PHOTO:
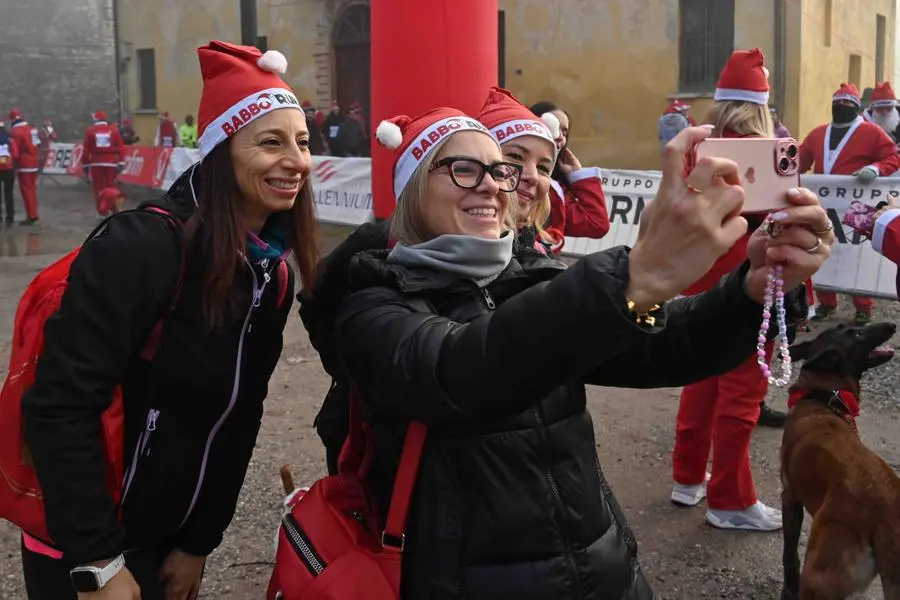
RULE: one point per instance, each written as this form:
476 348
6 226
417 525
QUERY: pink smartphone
768 168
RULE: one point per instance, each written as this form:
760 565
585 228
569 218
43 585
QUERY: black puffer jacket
509 504
196 410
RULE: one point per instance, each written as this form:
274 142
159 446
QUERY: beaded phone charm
774 298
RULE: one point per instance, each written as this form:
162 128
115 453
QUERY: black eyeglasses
468 173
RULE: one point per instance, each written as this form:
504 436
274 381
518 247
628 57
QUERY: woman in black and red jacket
192 414
577 203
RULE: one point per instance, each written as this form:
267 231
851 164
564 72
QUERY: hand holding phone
768 168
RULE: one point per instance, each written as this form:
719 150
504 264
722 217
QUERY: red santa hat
744 78
15 114
847 91
414 139
883 96
98 115
507 118
306 105
240 84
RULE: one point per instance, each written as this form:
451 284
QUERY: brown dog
851 493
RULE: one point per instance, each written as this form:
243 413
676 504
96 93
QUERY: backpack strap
394 537
152 344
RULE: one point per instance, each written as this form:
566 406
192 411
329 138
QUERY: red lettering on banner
227 128
519 128
510 131
417 154
236 122
501 135
434 136
454 125
254 109
145 166
245 115
443 130
425 146
74 166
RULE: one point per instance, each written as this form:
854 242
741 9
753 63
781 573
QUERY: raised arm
428 368
705 335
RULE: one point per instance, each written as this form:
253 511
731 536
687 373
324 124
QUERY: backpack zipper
308 556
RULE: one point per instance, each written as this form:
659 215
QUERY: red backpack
331 544
21 498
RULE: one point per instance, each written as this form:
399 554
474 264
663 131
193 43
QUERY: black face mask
841 113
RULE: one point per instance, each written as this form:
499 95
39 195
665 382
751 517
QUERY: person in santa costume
886 235
102 157
719 414
577 202
27 141
882 110
218 266
166 132
672 121
528 141
848 146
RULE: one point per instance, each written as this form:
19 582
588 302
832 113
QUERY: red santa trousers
28 189
102 178
861 303
720 413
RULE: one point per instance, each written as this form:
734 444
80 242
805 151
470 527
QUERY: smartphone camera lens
784 164
792 151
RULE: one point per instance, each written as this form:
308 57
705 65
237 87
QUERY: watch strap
111 570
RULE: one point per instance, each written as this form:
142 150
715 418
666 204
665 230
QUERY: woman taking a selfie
577 203
720 413
193 414
508 502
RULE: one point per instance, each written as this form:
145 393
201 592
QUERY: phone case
768 167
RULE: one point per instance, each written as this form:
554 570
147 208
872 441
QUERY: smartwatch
88 578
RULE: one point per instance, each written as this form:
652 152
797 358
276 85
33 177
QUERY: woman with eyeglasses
509 502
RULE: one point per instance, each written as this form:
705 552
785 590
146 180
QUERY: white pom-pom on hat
389 135
272 61
552 123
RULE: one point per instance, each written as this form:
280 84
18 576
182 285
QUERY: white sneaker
689 495
758 517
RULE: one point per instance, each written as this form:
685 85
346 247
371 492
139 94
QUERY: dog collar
843 403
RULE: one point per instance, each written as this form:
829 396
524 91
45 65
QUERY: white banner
342 186
60 158
853 267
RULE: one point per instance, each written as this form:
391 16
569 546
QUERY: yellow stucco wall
612 64
175 29
853 25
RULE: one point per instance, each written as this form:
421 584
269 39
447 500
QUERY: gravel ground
682 556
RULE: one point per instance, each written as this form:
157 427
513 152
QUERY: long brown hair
215 231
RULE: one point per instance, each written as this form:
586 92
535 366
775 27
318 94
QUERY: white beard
889 122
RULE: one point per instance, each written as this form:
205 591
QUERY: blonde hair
538 217
408 223
743 118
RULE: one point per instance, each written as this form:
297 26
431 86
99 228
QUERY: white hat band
243 112
424 145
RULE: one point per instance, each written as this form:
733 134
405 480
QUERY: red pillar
425 54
